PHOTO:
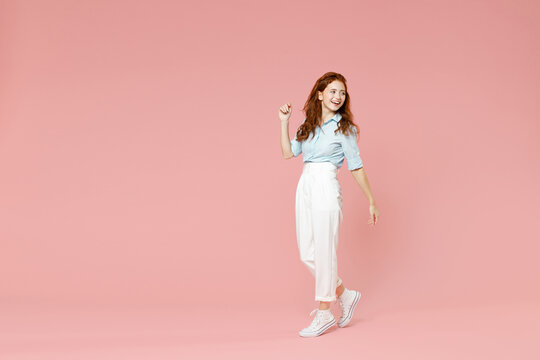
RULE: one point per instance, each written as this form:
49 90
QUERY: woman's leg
325 236
340 290
323 305
318 218
326 215
304 224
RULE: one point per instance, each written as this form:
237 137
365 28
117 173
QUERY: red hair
313 111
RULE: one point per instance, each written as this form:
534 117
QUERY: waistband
325 166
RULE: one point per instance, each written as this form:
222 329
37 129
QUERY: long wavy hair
313 110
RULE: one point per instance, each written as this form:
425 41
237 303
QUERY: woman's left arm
361 178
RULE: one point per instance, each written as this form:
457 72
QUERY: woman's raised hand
285 112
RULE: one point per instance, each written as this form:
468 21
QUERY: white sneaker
347 302
323 321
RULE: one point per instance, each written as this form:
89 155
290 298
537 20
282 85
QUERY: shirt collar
335 118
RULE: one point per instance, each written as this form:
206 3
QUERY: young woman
326 137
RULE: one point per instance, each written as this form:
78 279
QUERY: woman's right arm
284 115
285 141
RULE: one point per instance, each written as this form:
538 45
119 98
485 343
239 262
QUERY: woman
326 137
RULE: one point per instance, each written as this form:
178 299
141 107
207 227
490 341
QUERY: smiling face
333 97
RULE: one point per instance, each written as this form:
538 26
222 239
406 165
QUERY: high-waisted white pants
318 217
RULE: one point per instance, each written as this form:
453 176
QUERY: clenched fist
285 112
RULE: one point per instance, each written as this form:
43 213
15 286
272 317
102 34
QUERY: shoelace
345 308
341 303
316 320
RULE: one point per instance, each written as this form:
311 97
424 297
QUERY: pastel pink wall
140 156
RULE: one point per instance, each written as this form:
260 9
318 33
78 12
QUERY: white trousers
318 217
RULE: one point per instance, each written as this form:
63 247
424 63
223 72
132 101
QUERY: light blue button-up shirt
324 145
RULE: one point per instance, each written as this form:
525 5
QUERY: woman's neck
326 115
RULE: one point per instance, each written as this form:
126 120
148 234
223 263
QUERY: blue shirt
324 145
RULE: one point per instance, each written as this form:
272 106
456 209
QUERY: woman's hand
374 214
285 112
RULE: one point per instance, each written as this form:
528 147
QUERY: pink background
141 163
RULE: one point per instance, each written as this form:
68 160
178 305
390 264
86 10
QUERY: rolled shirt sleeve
296 147
351 151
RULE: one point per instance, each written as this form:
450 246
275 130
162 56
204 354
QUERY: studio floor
506 331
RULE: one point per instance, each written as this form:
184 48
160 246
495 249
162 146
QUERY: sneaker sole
322 330
353 306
